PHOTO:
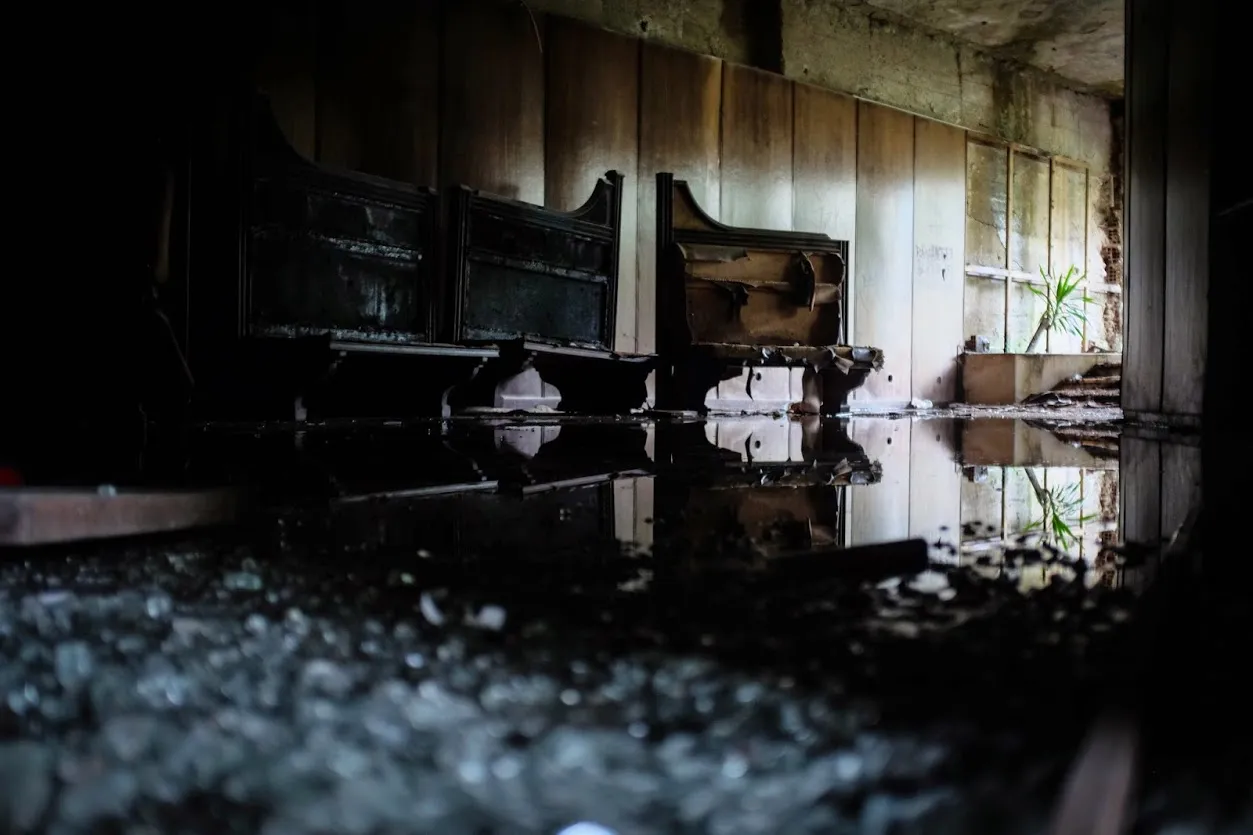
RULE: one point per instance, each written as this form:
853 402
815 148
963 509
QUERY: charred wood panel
1145 214
336 254
592 98
1187 273
492 120
756 148
286 71
520 271
680 103
882 289
378 89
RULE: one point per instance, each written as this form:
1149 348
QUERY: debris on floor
1100 387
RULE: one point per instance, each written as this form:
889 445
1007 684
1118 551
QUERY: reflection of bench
729 299
543 286
708 496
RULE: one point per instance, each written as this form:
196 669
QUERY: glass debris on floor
586 627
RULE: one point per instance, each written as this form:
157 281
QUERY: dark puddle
655 626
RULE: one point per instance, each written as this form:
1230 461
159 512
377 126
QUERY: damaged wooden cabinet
354 295
731 298
543 286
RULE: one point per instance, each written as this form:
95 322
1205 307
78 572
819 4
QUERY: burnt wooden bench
730 298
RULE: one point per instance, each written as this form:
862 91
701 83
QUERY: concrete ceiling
1079 40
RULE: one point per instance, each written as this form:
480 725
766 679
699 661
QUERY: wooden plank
883 283
592 96
492 121
756 148
1144 255
286 72
1140 490
1181 484
378 90
680 103
1186 305
880 512
935 479
939 258
37 516
824 167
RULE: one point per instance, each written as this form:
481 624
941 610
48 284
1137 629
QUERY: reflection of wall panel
492 126
1140 468
1181 484
1022 505
981 502
935 489
592 127
880 512
680 102
756 148
883 284
939 258
824 167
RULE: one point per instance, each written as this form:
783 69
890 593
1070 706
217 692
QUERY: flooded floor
643 626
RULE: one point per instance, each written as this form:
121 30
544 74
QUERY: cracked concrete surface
1079 40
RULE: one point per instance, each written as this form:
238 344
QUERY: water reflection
760 487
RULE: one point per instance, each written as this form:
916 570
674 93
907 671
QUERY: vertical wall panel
1187 212
824 166
492 125
286 72
680 101
592 127
1144 254
378 96
756 148
883 285
939 258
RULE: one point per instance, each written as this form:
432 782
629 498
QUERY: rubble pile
1100 387
219 687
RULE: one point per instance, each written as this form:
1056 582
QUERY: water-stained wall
537 107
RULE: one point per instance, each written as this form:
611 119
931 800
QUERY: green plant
1065 304
1061 508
